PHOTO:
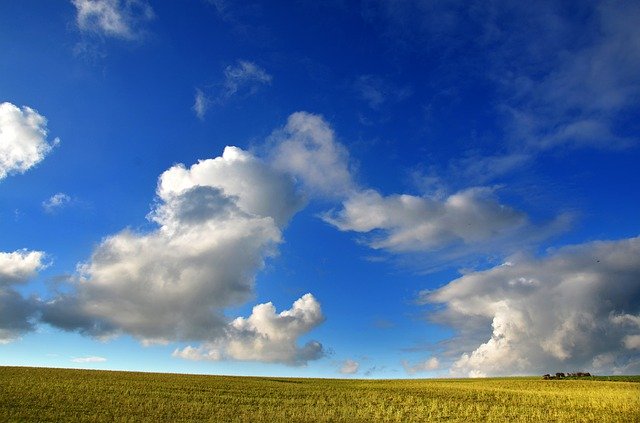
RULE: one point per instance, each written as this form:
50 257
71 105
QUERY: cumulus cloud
349 367
308 149
427 365
265 336
56 202
16 315
16 312
91 359
411 223
218 221
576 309
113 18
23 139
19 266
463 222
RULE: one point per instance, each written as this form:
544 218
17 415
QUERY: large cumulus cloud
576 309
17 312
217 223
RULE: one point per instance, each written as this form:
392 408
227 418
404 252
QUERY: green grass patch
43 395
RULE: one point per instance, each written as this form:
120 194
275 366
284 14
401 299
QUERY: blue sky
347 189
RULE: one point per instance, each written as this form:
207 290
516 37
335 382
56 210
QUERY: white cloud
91 359
16 312
349 367
56 202
245 77
219 220
307 148
265 336
253 185
570 310
201 104
462 223
427 365
242 79
19 266
411 223
23 139
114 18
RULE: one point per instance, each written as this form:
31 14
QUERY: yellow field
36 394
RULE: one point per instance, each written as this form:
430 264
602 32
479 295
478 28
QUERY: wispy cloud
243 79
56 202
576 97
122 19
376 91
427 365
349 367
201 104
90 359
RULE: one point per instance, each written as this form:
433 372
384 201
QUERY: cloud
113 18
91 359
349 367
577 96
467 221
307 148
405 223
16 315
265 336
576 309
427 365
20 266
57 201
244 78
23 139
201 104
375 91
218 221
564 80
16 312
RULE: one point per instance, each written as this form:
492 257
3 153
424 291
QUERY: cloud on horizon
349 367
575 309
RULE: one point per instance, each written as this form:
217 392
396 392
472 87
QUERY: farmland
39 394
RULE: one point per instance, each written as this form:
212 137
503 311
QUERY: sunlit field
38 394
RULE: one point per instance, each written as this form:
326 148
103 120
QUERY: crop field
38 394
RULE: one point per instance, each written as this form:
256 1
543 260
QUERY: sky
357 189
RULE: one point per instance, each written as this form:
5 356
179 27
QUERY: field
37 394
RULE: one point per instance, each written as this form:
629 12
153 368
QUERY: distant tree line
561 375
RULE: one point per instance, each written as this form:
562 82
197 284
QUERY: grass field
37 394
